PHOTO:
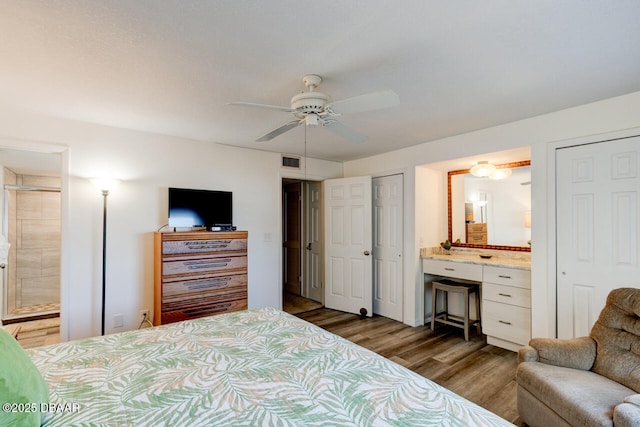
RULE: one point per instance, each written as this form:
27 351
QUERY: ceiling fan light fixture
316 108
311 120
482 169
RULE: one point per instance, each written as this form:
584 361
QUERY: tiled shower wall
34 233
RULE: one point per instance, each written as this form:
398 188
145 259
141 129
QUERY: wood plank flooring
482 373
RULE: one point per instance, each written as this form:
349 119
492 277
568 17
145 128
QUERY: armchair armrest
577 353
627 414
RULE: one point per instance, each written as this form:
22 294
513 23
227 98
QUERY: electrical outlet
118 321
144 315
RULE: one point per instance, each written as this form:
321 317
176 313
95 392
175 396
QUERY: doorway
302 246
32 226
364 245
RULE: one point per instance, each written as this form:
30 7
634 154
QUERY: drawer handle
504 295
504 322
504 277
450 269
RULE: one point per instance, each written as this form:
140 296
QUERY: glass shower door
32 274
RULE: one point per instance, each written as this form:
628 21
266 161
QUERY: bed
259 367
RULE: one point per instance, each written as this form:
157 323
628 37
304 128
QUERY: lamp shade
482 169
105 184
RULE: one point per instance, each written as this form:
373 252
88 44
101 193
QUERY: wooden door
292 241
348 261
387 246
598 219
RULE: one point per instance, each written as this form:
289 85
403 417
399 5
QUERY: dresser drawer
506 294
508 276
204 310
191 302
507 322
456 270
202 246
204 264
200 285
478 227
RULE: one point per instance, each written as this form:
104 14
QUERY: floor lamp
104 185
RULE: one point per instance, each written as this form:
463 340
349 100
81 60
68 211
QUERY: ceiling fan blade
279 131
344 131
270 107
366 102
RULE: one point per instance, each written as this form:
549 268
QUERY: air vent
290 162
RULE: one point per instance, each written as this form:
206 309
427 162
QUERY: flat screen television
200 208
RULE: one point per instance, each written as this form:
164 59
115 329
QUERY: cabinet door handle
450 269
504 277
504 322
504 295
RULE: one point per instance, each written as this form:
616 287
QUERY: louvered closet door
598 222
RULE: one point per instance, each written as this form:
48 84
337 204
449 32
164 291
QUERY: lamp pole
105 193
104 185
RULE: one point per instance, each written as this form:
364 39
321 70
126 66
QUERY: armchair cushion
617 333
577 353
627 413
581 397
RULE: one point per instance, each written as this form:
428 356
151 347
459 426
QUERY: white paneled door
387 246
313 241
348 238
598 222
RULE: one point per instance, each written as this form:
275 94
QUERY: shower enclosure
31 224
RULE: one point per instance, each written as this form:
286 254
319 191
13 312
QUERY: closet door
388 214
598 222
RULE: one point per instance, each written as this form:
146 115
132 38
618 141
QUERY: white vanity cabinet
505 291
506 306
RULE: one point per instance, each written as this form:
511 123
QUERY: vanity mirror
491 213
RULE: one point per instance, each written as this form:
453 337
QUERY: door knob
366 253
309 246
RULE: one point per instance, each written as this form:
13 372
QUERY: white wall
148 164
542 134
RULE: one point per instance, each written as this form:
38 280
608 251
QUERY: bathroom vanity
505 285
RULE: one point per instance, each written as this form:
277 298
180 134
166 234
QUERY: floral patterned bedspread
258 367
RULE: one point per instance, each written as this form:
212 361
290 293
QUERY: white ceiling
170 66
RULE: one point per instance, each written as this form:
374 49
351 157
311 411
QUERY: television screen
200 208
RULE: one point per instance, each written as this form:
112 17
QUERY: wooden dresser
199 273
477 233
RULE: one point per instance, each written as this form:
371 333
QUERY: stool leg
445 302
466 315
434 294
479 324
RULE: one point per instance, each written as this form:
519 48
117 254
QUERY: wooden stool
464 288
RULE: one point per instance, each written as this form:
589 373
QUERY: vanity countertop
474 258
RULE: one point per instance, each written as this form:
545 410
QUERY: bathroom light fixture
500 173
104 185
482 169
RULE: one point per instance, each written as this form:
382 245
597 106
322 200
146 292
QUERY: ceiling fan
315 108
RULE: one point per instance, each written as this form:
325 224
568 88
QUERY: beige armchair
587 381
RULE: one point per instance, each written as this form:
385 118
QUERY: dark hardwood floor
482 373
